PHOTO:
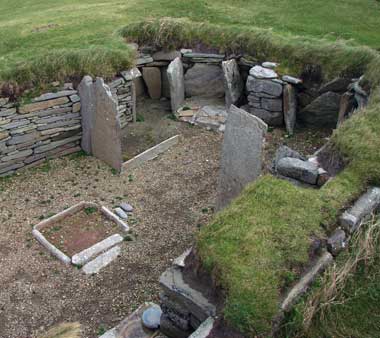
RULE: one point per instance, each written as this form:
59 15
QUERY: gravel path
172 195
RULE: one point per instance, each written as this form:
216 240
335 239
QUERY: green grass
41 40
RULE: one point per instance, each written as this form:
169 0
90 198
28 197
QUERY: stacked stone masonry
48 127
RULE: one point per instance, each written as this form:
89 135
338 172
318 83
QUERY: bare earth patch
171 196
79 231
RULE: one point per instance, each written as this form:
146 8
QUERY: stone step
101 261
132 326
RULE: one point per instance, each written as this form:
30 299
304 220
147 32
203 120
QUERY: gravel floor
172 195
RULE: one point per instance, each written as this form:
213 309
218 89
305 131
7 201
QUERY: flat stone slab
361 210
132 326
180 260
204 329
121 213
302 286
303 171
101 261
151 153
263 73
86 255
176 288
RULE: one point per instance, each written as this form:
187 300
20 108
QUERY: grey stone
143 59
282 152
131 74
291 79
16 155
59 124
233 82
270 65
192 55
165 83
363 208
86 255
52 145
210 117
88 105
101 261
263 73
322 112
204 80
270 118
152 78
51 96
272 105
264 86
7 112
74 98
180 260
11 167
175 287
204 329
346 107
241 154
126 207
169 329
151 317
16 124
176 83
302 286
120 212
38 106
24 138
106 130
303 171
166 56
290 108
46 120
336 242
338 85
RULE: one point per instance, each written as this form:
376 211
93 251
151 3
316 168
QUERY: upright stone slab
241 154
152 78
88 105
176 82
233 82
290 107
106 131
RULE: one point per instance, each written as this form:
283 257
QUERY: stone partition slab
150 154
241 161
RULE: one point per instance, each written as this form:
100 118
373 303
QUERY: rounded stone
151 317
126 207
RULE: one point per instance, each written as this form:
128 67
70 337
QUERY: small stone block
121 213
126 207
101 261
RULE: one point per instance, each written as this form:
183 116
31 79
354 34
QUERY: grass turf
82 35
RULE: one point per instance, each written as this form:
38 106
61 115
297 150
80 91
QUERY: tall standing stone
152 78
241 154
176 82
290 107
106 131
233 82
88 105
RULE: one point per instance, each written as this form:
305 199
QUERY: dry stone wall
49 126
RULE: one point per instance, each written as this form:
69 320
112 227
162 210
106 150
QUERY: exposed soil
79 231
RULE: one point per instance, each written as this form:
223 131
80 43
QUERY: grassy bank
83 34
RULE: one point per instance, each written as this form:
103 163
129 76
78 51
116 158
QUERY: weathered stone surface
143 59
302 286
263 73
152 78
58 124
210 117
241 154
176 83
126 207
106 130
346 107
52 145
204 57
363 208
4 169
7 112
86 255
165 82
270 118
101 261
303 171
29 108
204 80
24 138
338 85
322 112
51 96
290 108
272 105
204 329
74 98
16 155
282 152
47 120
169 329
336 242
233 82
180 260
131 74
3 135
121 213
16 124
291 79
269 64
176 288
264 86
151 317
166 55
